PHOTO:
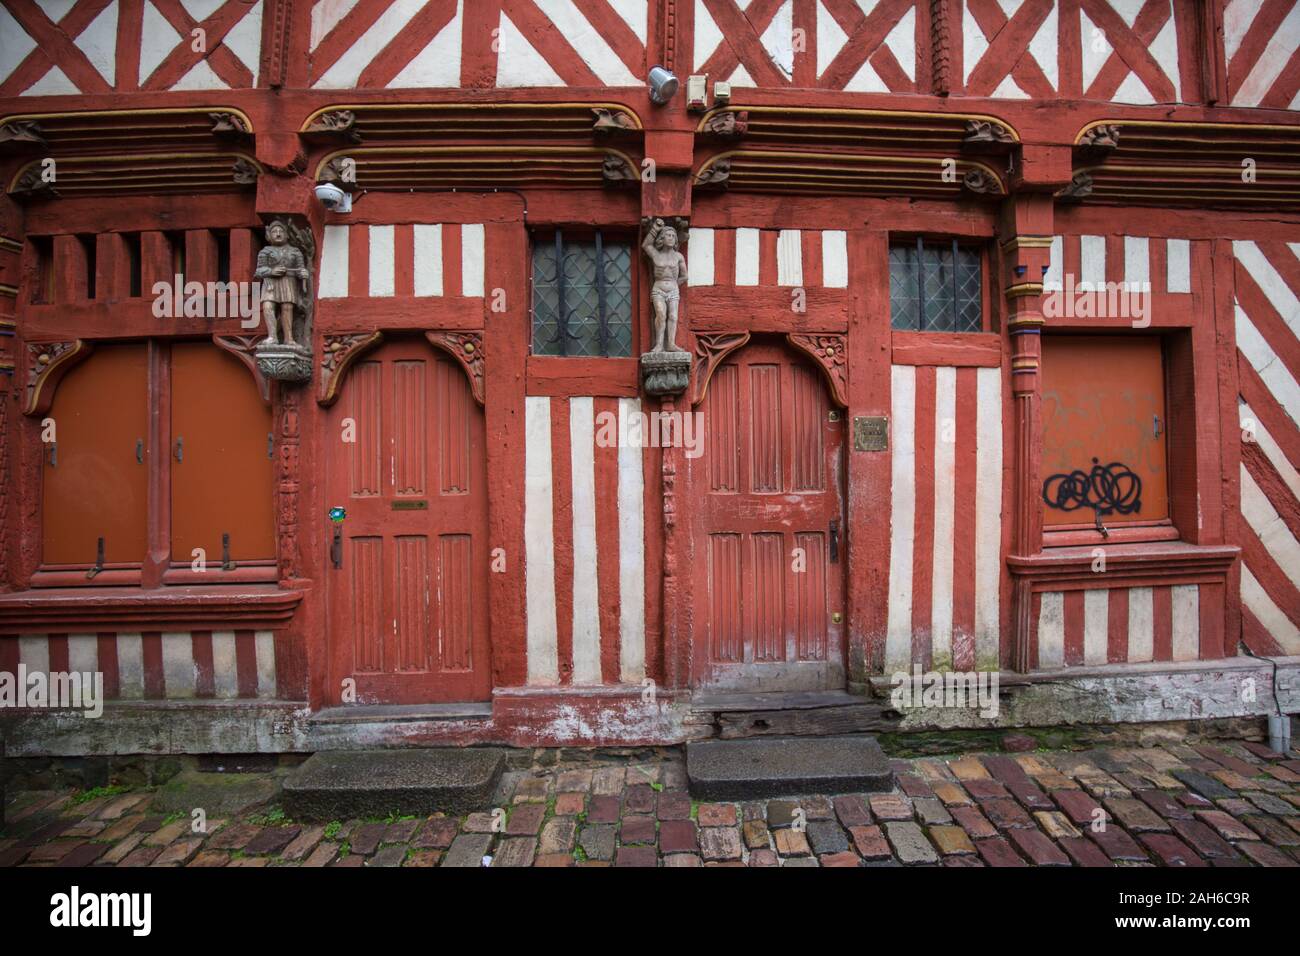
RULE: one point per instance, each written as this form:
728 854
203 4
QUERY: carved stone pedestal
285 363
665 373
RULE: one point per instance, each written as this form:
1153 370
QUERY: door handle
139 451
336 548
54 454
180 448
835 540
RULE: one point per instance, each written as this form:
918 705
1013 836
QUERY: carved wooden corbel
1079 188
338 352
335 125
828 351
467 349
727 124
241 347
341 171
1104 138
617 170
615 122
710 349
715 173
48 362
21 133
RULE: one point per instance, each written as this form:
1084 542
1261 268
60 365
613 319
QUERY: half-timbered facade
989 315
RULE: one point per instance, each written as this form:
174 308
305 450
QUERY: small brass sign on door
410 504
870 433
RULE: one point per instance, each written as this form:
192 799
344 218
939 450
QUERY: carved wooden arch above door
48 362
828 350
340 351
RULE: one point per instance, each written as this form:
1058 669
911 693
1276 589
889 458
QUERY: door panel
96 478
771 490
408 607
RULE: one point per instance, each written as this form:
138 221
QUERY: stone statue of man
284 277
660 247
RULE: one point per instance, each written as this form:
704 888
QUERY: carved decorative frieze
983 133
47 364
338 352
34 184
467 349
727 124
977 180
710 349
617 170
288 483
610 121
229 126
717 173
21 133
828 351
242 347
1104 138
339 125
245 172
1080 187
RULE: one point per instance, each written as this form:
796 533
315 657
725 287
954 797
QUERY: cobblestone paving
1227 804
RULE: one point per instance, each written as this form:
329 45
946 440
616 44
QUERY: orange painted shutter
96 487
224 482
1104 399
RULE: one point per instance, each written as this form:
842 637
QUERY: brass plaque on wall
409 504
870 433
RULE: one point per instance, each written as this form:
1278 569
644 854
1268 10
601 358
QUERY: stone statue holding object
669 265
286 283
666 368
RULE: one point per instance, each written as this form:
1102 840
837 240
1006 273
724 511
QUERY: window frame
601 236
1141 530
157 566
975 244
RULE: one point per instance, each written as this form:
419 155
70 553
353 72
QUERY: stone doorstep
338 785
750 768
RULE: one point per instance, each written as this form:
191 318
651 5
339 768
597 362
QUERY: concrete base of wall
1243 687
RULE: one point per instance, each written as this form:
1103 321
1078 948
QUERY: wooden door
408 570
770 549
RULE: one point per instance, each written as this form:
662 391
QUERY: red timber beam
1025 238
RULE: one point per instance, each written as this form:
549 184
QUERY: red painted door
769 555
408 612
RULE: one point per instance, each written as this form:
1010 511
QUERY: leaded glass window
582 297
934 287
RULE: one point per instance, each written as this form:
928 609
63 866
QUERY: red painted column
1026 233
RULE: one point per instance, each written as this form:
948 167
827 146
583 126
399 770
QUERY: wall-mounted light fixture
663 85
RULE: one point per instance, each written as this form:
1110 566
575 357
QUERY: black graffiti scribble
1106 489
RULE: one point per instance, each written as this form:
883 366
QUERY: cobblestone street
1227 804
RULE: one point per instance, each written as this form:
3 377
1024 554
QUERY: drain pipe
1279 724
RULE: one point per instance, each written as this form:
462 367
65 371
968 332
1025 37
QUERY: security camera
663 85
333 198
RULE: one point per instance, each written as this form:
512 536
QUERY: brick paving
1229 803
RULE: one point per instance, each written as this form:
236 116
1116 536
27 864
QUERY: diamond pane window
934 287
582 297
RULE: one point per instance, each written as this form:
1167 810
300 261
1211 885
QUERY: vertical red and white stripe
768 257
422 260
154 665
1119 625
1163 264
946 518
584 530
1268 372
